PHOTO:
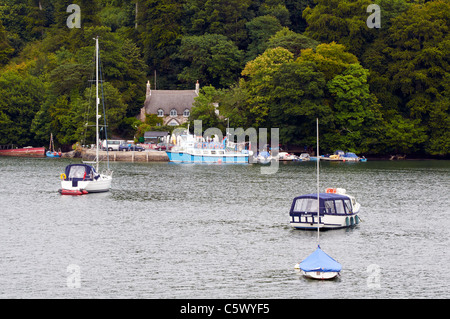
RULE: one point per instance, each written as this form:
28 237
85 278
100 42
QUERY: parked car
164 146
130 147
113 145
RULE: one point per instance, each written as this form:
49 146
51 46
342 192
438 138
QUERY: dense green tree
5 48
341 21
260 29
354 108
296 100
259 82
225 17
212 59
292 41
205 109
159 29
22 96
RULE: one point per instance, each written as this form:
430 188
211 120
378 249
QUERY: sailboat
80 179
51 149
319 265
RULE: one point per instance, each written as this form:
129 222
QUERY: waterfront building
173 106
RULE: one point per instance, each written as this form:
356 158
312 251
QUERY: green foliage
272 63
205 109
210 59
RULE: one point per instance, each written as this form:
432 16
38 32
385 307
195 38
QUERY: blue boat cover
353 155
319 261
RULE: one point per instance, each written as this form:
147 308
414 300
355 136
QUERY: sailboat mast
97 101
318 188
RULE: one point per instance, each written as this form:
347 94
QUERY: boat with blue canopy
336 210
319 265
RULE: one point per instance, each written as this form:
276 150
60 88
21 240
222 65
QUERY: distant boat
318 265
80 179
264 157
9 150
192 149
285 156
343 157
51 149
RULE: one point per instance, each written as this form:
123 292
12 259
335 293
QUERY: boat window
77 172
213 152
305 205
339 207
205 152
329 207
348 206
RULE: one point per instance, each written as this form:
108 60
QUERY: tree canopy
261 63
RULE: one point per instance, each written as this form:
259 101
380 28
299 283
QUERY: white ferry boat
192 149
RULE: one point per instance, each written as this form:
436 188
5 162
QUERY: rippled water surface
211 231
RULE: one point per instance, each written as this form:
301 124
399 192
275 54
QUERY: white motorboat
284 156
336 210
194 149
264 158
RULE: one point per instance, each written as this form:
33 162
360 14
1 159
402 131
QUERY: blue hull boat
53 154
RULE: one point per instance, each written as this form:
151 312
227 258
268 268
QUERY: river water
221 231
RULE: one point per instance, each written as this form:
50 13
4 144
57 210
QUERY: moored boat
263 158
319 265
284 156
192 149
51 149
81 179
22 152
336 210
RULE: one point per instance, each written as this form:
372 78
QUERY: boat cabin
80 172
330 204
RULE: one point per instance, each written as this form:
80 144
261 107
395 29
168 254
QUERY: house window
160 113
173 113
186 113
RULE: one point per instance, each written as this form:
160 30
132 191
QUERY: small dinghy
319 265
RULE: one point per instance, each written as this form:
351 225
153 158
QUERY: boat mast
97 102
318 202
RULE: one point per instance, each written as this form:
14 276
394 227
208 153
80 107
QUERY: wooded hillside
273 63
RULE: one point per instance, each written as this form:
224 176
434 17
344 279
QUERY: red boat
23 152
72 192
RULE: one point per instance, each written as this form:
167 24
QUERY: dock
115 156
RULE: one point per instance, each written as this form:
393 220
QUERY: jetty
115 156
131 156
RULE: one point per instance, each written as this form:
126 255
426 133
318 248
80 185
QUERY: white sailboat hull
320 275
102 184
